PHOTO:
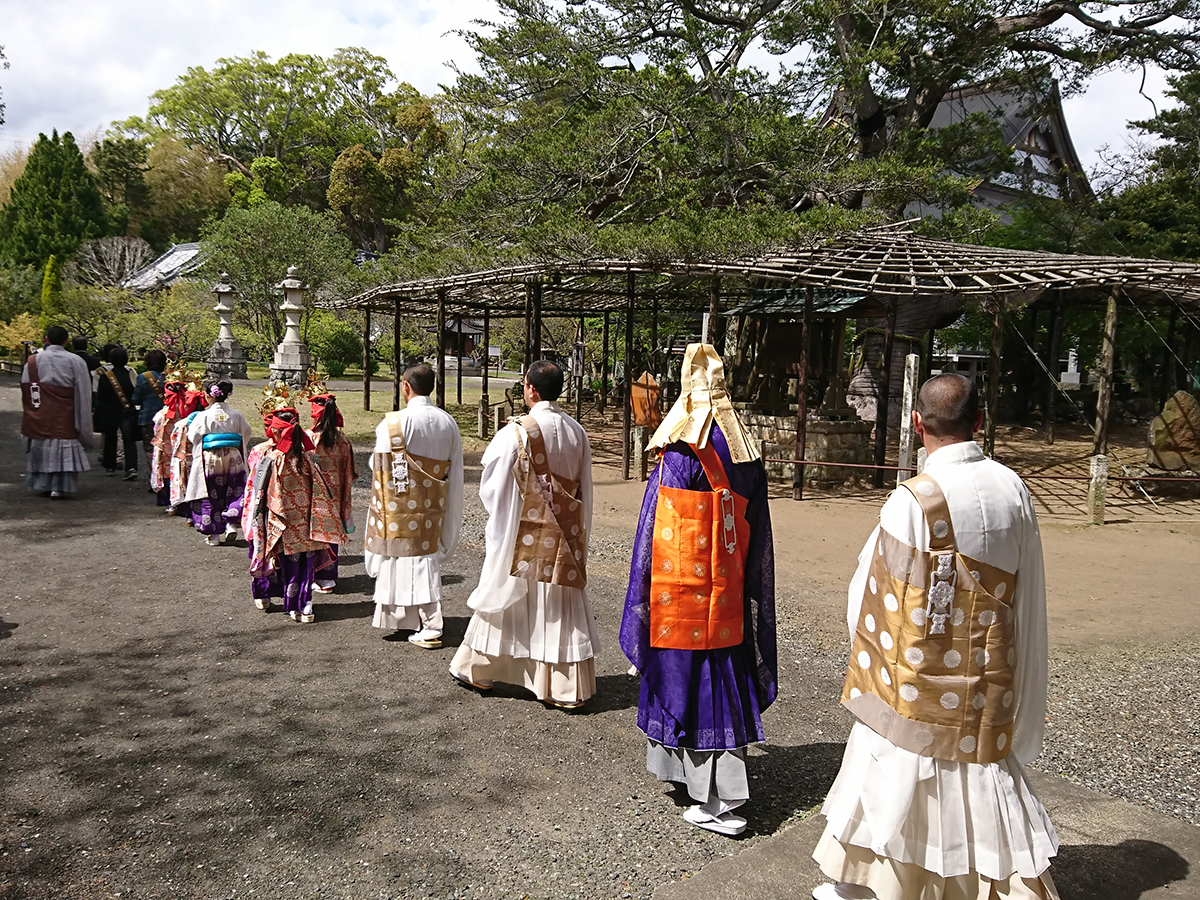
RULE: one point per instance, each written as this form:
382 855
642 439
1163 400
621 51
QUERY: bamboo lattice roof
881 266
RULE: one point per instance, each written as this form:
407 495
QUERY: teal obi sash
213 441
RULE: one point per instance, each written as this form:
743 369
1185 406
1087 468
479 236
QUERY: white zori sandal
727 823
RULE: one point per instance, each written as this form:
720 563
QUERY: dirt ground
161 738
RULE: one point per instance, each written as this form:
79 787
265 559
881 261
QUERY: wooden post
1108 358
458 398
836 357
441 349
579 376
884 399
927 363
993 379
604 368
396 360
801 396
653 335
484 400
528 325
716 322
1053 345
537 321
367 359
627 410
912 366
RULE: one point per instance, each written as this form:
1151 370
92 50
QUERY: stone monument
292 359
226 359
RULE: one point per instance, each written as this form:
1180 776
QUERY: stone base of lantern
292 362
226 360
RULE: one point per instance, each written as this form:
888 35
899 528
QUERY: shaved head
949 406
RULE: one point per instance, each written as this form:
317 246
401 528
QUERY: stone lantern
292 359
226 359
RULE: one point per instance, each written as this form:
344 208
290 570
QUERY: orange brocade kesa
698 572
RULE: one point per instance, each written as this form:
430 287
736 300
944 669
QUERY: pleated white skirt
948 818
551 624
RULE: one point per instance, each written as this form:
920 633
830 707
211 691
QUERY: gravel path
162 739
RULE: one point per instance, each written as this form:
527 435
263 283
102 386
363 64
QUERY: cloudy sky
77 65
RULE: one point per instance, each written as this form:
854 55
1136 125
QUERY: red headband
183 402
284 432
318 408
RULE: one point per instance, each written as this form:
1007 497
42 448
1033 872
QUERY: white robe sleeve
452 523
501 498
858 584
1030 675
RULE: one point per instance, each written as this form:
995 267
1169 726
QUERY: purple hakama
225 479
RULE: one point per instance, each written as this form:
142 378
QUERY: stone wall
836 440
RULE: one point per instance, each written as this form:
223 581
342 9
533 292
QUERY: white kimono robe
545 631
408 589
219 418
948 818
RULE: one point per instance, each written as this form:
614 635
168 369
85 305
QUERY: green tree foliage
120 167
257 245
338 344
265 182
186 189
1159 214
301 110
54 205
51 291
20 291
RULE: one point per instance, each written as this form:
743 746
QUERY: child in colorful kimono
336 458
263 587
220 437
294 518
178 404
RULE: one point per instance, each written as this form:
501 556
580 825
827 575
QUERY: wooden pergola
883 267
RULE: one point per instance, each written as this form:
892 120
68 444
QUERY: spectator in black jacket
115 412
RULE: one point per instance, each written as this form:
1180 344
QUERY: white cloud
78 65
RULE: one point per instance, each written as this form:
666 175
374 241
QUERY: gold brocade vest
408 499
931 667
551 544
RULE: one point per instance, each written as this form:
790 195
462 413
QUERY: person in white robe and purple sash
416 511
947 679
56 421
533 624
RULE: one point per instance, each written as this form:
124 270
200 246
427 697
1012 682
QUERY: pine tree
53 207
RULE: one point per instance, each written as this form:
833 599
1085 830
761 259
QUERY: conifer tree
51 290
53 207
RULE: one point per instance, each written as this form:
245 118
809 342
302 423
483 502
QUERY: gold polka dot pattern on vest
406 514
934 674
551 543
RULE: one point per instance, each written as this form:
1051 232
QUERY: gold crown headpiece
277 395
315 385
180 372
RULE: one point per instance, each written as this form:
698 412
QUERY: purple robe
705 699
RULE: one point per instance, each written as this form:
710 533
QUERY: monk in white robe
408 569
905 823
528 629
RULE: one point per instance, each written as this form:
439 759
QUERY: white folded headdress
702 400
